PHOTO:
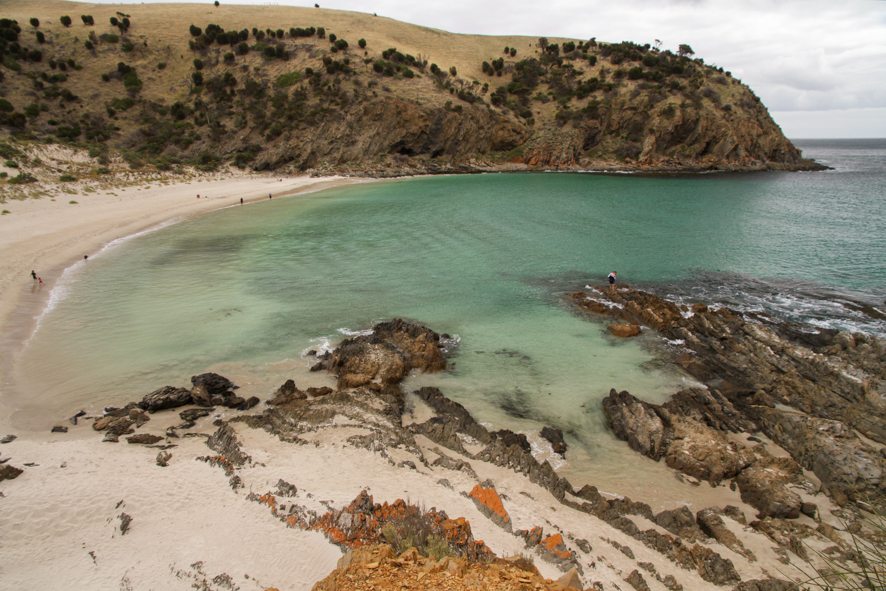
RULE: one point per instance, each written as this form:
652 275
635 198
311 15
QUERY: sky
820 67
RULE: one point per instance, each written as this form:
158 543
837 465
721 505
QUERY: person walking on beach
241 200
612 278
33 274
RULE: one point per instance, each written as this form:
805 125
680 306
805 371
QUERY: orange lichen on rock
554 546
489 503
377 568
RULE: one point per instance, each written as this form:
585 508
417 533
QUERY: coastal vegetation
308 98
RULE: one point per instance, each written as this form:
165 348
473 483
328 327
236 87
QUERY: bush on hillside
87 20
65 20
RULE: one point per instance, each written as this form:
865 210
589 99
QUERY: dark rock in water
8 472
79 414
385 357
59 429
8 439
144 438
624 329
555 437
319 366
165 397
636 422
214 383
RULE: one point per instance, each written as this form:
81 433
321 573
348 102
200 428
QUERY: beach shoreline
53 236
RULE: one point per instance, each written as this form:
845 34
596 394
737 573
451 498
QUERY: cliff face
354 93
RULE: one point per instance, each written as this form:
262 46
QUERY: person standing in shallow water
612 278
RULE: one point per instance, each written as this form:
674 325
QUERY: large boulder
764 486
489 503
636 422
213 383
699 451
387 355
165 397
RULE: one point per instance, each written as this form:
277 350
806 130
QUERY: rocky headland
349 93
790 419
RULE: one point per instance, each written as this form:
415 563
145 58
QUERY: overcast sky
819 66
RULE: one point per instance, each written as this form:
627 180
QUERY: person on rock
612 278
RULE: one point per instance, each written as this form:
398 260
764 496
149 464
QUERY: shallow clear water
484 257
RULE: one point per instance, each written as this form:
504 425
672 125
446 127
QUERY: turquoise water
486 258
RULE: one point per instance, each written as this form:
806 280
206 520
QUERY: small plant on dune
6 212
35 22
65 20
67 178
867 569
72 202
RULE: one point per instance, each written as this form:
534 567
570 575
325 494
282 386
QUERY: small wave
349 332
321 345
811 307
62 286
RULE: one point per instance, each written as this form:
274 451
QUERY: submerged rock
623 329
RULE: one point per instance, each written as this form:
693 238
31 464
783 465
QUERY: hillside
316 90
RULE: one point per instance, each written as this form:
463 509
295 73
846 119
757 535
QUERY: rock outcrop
385 356
809 395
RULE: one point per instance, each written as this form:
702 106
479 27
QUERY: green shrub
22 178
10 164
131 82
362 43
127 46
35 22
198 64
197 78
87 20
41 38
6 106
67 178
65 20
288 79
109 38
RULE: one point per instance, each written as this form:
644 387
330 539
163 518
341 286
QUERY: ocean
248 291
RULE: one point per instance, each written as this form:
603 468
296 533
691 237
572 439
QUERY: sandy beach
49 235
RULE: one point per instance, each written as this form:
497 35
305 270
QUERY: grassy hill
305 89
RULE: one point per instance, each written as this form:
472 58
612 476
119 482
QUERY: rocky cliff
292 89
